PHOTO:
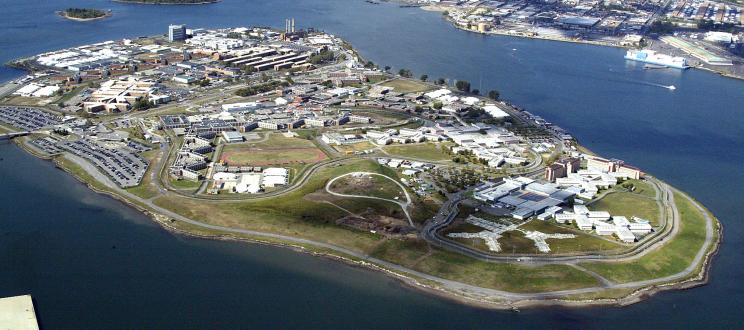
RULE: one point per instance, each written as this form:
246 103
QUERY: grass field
629 204
276 151
146 189
503 276
185 184
407 86
424 151
291 214
670 259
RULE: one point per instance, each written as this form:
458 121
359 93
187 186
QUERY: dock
18 313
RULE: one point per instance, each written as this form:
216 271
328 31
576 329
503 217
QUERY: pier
18 313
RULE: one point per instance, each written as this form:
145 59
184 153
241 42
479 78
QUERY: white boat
652 57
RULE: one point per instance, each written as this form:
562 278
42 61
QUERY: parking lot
126 168
27 118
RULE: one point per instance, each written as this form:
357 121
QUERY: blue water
57 236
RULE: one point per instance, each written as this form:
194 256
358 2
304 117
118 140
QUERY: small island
169 2
84 14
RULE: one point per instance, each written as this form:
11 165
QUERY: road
454 286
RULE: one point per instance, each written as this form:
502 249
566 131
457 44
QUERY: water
57 237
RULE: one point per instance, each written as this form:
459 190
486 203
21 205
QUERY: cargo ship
652 57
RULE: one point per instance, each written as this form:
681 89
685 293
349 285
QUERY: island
169 2
290 137
84 14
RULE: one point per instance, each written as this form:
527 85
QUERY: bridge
8 136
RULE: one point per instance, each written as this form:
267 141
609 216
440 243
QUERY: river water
91 262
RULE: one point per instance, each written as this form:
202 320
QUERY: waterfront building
176 32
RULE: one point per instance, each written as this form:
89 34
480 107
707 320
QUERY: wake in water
641 82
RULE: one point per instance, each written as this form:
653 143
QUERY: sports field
407 86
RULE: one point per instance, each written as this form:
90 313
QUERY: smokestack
286 25
293 26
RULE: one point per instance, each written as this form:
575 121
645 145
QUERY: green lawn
629 204
670 259
504 276
185 184
424 151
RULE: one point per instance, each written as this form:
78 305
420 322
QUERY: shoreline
64 15
205 2
441 9
698 278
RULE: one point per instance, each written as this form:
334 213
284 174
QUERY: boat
652 57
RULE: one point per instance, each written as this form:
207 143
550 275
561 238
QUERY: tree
494 95
142 104
370 65
387 68
440 81
476 92
324 56
235 35
437 105
463 86
424 77
405 73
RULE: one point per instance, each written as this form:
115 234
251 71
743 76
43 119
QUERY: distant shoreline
204 2
63 14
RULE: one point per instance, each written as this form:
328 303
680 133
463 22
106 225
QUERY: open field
670 259
184 184
407 86
416 254
276 151
368 185
629 204
503 276
291 214
424 151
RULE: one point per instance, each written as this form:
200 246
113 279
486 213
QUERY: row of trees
322 57
461 85
261 88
